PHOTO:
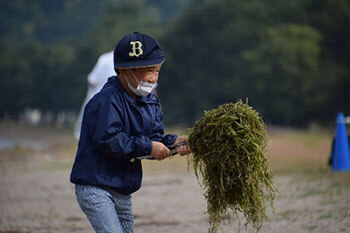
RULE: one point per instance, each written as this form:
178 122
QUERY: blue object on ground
341 156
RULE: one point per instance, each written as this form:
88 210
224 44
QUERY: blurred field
36 196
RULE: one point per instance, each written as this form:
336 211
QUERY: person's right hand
160 151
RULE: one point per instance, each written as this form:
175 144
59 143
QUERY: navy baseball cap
137 50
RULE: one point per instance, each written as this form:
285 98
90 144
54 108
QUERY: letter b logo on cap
136 49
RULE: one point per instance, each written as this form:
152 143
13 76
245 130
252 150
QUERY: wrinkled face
146 74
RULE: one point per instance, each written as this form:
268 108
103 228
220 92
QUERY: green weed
229 146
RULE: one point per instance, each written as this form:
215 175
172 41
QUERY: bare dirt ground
36 196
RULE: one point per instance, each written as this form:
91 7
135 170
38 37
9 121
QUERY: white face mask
143 88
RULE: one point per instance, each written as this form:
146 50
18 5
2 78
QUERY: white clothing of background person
103 69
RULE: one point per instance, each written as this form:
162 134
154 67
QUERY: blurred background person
96 79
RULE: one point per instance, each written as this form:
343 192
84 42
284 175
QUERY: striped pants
107 211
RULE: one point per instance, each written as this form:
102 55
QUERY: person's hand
185 149
160 151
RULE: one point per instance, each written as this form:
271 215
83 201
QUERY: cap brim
139 64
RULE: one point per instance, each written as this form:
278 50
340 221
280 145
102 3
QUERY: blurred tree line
49 46
289 59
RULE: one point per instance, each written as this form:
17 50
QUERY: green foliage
288 58
48 21
30 82
49 47
285 61
229 145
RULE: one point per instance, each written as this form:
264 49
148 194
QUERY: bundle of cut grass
229 145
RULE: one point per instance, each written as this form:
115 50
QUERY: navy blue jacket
115 129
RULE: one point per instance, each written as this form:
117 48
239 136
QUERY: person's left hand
185 149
